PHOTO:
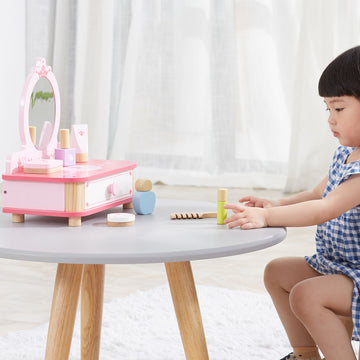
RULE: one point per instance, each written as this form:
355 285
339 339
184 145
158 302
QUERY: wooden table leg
63 311
183 292
92 297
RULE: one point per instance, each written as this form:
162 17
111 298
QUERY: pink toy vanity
38 184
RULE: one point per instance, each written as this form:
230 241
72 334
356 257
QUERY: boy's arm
316 193
310 212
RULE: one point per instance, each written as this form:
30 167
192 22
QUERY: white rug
142 326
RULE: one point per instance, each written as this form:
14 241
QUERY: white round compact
120 219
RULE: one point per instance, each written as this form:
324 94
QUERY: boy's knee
271 273
302 300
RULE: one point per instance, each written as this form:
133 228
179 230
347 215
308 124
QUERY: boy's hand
246 217
252 201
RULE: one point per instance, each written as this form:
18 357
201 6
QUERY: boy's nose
331 120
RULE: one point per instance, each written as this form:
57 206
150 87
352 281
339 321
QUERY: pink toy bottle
65 153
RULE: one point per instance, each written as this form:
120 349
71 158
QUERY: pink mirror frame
28 151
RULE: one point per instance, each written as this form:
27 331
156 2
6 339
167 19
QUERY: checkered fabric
338 240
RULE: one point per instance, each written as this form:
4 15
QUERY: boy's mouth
335 133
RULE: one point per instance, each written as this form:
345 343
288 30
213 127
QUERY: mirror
41 109
40 100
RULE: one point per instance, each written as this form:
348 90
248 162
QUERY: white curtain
186 114
200 92
326 29
12 40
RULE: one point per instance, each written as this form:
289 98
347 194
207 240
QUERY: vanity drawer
114 188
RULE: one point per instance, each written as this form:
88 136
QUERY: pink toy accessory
42 166
65 153
120 219
79 140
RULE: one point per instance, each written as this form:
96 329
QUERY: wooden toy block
143 185
120 219
221 201
192 215
144 202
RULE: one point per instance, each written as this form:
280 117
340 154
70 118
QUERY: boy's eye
336 109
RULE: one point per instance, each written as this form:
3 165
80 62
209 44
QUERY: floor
27 287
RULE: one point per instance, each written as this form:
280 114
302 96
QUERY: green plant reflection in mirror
42 106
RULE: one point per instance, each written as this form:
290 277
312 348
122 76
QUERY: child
309 293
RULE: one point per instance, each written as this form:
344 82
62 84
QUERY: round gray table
82 252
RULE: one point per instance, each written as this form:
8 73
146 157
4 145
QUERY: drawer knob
114 189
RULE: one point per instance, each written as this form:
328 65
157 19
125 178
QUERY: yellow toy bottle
221 201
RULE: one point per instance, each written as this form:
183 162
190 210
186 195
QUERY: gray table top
153 239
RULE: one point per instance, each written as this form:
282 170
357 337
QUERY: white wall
12 65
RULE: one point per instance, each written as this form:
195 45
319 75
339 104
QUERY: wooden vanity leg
63 311
18 218
183 292
92 297
74 201
128 205
75 221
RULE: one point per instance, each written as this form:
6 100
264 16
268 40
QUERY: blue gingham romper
338 240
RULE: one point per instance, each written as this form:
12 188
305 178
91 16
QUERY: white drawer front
109 189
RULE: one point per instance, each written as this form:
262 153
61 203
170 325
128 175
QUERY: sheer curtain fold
191 113
204 92
93 71
322 36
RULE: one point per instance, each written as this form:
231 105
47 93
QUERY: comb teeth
192 215
186 215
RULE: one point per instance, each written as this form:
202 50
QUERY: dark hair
342 76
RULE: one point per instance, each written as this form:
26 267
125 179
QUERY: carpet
142 326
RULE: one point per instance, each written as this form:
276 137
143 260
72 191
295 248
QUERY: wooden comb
192 215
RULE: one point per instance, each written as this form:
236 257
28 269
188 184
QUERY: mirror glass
42 107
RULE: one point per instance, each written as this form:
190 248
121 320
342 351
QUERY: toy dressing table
52 190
